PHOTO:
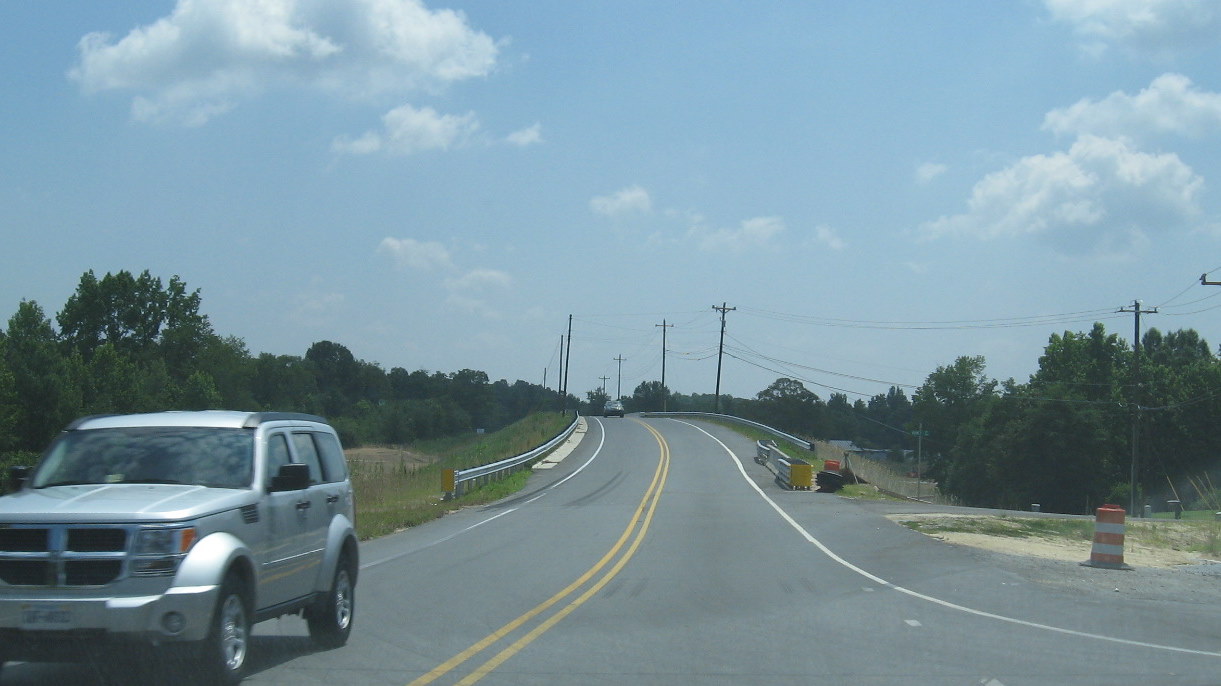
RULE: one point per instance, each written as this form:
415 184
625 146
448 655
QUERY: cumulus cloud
470 291
206 56
408 252
825 235
929 171
1170 105
755 232
479 280
407 130
1099 197
1156 26
527 136
630 200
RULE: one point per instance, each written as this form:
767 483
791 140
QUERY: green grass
864 492
1013 527
391 496
1209 515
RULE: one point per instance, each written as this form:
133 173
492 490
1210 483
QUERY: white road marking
911 622
928 598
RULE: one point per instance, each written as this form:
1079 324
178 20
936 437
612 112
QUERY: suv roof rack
259 417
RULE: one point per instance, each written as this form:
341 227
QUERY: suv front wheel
330 621
224 652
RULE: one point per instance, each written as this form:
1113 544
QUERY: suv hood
118 503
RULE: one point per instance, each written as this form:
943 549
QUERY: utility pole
619 387
919 433
720 352
604 380
1136 388
559 377
567 362
665 395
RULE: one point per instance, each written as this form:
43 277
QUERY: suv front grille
25 573
97 540
23 540
62 555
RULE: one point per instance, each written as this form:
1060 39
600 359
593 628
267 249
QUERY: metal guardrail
456 480
738 420
791 473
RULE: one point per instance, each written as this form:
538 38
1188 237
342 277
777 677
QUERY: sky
874 188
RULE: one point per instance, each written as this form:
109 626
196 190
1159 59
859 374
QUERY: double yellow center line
635 532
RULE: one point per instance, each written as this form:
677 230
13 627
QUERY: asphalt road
660 553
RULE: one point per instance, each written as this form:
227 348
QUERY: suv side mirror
17 477
291 477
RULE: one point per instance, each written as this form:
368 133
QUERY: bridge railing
458 480
737 420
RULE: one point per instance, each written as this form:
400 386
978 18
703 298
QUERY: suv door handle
332 499
303 505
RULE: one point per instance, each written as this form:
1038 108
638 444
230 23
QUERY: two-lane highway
660 553
667 556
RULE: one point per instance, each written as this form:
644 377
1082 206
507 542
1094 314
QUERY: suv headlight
158 551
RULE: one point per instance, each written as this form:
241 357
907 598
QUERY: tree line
1064 439
132 343
1069 438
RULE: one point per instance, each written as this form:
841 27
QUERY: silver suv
180 530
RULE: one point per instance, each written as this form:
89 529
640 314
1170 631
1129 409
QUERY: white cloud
829 237
408 252
1156 26
407 130
527 136
317 309
632 199
929 171
1099 197
1170 105
480 280
470 291
207 55
755 232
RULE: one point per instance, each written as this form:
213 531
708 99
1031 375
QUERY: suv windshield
215 457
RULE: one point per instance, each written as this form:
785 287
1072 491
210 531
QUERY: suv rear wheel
330 621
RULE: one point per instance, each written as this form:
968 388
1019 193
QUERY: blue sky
877 187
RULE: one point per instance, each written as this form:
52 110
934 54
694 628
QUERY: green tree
199 393
787 404
46 383
9 406
138 316
649 396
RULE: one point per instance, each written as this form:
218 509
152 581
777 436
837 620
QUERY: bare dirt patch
389 455
1158 544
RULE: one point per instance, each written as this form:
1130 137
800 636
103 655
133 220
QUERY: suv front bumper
38 622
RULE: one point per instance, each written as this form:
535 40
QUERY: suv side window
334 467
308 455
277 455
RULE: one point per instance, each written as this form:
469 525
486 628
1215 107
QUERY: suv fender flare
340 538
211 558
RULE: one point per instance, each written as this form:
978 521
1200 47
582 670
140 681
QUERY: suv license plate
46 616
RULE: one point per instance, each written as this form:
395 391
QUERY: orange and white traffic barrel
1107 551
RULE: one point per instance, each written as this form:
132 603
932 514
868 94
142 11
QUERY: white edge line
597 451
928 598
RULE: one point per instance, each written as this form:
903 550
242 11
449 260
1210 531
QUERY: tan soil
393 455
1135 553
